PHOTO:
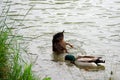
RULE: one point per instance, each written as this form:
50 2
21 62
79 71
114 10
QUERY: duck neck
73 62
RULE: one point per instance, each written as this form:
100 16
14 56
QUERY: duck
85 61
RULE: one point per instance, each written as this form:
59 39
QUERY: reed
12 65
3 53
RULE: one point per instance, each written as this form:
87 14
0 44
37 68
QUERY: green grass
20 72
3 53
12 65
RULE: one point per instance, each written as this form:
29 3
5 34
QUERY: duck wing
95 60
87 59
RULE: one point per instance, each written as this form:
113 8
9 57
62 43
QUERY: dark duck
58 43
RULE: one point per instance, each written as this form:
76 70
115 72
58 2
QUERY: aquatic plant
47 78
12 65
3 53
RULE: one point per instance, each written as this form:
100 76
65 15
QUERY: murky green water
92 26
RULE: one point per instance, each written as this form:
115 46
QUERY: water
92 26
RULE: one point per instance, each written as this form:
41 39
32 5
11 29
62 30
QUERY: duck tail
99 61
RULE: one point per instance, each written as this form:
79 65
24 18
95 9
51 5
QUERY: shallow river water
92 26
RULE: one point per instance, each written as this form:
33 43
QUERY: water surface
92 26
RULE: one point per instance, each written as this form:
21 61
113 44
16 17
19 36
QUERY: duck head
70 58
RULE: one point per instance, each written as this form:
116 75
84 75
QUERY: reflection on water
92 26
58 57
